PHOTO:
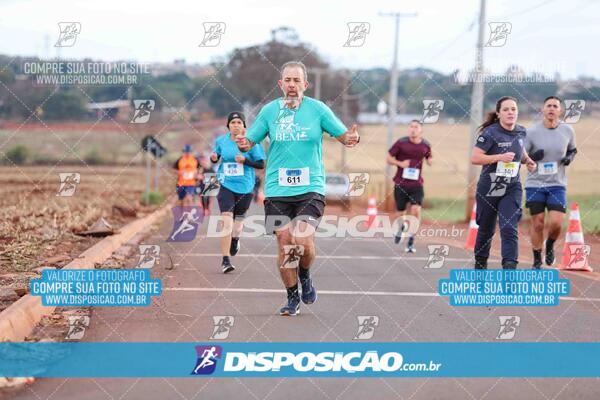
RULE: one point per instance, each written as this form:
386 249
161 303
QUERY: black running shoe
235 246
398 238
509 265
410 246
537 259
549 254
480 263
227 266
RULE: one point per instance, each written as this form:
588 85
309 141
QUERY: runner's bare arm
350 138
478 157
429 160
392 161
244 144
525 159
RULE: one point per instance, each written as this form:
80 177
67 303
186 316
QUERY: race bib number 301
294 176
507 169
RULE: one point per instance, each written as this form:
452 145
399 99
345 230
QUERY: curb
19 319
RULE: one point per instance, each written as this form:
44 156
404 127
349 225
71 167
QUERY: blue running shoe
292 308
309 293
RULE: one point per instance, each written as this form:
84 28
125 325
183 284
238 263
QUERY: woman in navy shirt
500 151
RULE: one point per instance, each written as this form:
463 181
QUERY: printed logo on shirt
481 139
291 133
498 185
287 129
504 144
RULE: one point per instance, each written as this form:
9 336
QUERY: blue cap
187 148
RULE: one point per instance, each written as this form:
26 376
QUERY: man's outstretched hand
243 143
351 138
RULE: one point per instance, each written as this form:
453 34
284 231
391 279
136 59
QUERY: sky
547 35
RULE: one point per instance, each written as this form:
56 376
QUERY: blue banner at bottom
300 359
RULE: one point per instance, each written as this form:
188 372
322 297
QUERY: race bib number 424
233 169
294 176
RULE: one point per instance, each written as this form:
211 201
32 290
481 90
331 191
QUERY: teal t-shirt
295 157
239 178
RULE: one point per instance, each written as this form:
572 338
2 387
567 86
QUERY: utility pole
345 117
476 111
318 73
393 102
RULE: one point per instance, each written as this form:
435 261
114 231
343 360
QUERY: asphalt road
355 277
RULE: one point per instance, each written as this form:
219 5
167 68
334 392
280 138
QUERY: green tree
67 104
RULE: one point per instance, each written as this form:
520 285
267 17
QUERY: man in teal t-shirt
295 176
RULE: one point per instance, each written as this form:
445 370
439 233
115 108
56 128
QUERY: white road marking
336 292
407 258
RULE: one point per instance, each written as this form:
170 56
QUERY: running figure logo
286 128
186 221
357 33
292 255
366 326
223 324
499 32
432 110
207 359
437 255
287 112
498 185
212 34
211 185
77 325
68 183
358 183
573 111
149 254
143 108
508 326
68 34
578 254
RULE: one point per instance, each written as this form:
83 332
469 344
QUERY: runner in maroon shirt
408 154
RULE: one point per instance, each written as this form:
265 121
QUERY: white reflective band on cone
574 237
574 215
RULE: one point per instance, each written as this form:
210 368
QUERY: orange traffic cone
473 228
372 212
575 252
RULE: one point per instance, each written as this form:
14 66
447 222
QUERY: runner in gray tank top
552 145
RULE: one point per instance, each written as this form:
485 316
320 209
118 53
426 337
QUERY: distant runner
236 175
188 171
408 154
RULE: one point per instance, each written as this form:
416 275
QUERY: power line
543 3
455 40
393 102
